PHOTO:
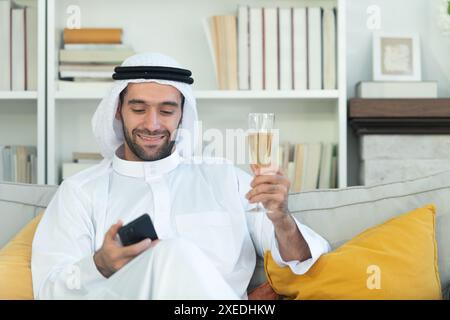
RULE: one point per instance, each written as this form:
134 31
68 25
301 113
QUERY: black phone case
137 230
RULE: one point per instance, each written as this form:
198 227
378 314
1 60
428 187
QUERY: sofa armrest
19 203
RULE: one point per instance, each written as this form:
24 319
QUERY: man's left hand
272 191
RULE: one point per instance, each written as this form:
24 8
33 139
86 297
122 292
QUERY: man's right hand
112 256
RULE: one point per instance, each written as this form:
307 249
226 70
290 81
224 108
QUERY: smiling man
143 144
205 213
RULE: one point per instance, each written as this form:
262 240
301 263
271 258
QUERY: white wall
396 16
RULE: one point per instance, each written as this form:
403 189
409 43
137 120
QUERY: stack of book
18 50
309 166
18 164
80 161
266 48
89 56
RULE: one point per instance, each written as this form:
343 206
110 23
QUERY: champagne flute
260 138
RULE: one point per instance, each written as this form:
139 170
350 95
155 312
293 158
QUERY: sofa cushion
395 260
15 264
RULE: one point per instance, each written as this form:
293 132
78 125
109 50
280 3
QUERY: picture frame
396 57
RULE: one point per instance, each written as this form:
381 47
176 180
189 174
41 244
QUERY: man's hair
124 92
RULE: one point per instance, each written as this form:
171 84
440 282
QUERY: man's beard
161 152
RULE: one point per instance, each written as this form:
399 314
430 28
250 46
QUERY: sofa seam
368 187
24 203
371 201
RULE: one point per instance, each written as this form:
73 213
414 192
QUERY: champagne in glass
260 139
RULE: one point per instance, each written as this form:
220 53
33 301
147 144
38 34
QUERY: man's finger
266 188
265 197
274 179
154 243
136 249
112 232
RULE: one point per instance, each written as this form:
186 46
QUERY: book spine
314 48
256 49
270 42
93 35
285 49
243 48
300 49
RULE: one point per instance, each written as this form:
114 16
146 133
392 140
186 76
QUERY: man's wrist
284 222
98 263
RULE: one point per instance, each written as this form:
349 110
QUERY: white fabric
202 203
167 270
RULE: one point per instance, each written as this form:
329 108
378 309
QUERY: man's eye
167 112
138 110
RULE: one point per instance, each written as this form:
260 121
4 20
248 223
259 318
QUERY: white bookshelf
22 113
301 116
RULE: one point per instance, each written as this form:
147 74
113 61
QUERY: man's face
150 114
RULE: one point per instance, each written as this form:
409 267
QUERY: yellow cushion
15 264
394 260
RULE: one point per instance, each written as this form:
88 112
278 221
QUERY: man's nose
152 121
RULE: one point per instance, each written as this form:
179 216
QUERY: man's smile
151 139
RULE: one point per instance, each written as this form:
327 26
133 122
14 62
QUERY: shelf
400 116
307 94
399 108
18 95
222 94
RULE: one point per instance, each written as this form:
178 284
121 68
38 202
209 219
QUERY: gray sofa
338 215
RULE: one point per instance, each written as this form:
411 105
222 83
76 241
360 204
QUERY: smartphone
137 230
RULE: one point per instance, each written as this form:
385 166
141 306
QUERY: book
329 49
87 67
7 171
243 48
21 164
291 174
2 176
270 43
31 48
285 48
69 168
83 157
299 167
334 167
5 48
94 56
84 86
95 46
18 49
311 166
325 166
86 74
284 164
231 60
93 35
397 90
13 161
314 48
256 49
300 50
223 33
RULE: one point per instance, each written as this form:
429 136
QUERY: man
205 213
